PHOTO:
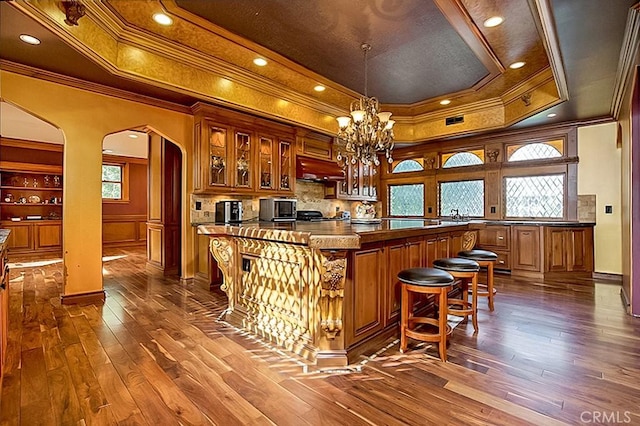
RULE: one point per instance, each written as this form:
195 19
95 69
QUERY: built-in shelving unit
31 196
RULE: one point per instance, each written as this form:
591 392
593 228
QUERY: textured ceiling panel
416 54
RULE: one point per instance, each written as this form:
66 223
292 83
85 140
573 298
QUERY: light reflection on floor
39 263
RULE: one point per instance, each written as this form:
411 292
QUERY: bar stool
466 270
486 259
424 281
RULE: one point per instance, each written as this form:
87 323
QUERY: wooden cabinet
239 154
568 249
4 307
526 252
34 237
365 297
361 183
315 145
496 238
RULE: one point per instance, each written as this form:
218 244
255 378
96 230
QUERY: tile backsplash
586 208
310 196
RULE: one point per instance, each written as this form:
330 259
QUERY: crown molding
547 27
627 60
65 80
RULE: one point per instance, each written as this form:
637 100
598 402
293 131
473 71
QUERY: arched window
535 151
408 166
461 159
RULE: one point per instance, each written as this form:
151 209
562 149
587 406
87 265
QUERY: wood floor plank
155 353
64 400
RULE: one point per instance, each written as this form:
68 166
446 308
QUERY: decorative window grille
406 200
535 196
408 166
462 159
535 151
467 197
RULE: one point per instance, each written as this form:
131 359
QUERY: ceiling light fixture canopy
367 132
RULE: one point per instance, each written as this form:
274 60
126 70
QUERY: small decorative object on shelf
365 210
47 181
365 214
56 181
8 198
25 182
35 182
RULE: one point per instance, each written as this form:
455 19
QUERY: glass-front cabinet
236 153
285 152
361 183
217 156
266 163
243 163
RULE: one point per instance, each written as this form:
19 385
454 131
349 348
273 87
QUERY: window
461 159
535 196
112 181
406 200
535 151
408 166
466 196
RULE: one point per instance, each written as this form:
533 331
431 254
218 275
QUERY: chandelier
367 132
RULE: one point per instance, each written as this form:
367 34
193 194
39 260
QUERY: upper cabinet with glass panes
236 153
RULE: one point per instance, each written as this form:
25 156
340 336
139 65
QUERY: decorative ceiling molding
202 60
626 63
547 28
65 80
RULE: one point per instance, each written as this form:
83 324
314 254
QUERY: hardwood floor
550 353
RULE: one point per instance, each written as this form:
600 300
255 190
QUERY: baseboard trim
607 276
83 298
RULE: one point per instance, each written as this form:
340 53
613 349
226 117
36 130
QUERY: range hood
318 170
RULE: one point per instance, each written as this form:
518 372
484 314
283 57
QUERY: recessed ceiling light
516 65
133 136
553 114
107 151
494 21
319 88
162 19
445 102
29 39
261 62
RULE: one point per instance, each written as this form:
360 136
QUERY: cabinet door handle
526 233
501 261
501 238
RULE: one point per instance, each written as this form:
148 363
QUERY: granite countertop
4 235
336 234
533 222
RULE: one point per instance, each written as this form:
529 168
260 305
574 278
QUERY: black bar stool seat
425 281
467 271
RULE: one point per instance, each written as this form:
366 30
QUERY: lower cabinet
207 272
496 238
365 297
34 237
374 296
4 308
568 249
526 255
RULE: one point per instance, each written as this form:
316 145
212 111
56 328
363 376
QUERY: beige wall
86 118
599 175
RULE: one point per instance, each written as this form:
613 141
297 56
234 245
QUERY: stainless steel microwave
278 209
228 211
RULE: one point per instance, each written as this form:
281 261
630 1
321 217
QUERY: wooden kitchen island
324 290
